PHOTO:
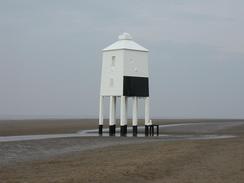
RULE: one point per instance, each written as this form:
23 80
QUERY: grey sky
50 55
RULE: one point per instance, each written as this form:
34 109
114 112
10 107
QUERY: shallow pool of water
94 133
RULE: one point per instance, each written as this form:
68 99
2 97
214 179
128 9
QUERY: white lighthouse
124 74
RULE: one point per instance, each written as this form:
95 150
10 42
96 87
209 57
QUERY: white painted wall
135 63
112 73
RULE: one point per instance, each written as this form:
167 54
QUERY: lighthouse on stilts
124 74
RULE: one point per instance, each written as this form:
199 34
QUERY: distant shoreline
156 119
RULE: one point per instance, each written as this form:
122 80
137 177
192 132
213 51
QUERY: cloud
196 54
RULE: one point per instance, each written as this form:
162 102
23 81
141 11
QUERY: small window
113 61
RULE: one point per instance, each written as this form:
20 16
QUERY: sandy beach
119 159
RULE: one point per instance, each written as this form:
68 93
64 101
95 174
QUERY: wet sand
45 126
108 159
59 126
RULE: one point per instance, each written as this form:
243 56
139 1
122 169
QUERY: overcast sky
50 55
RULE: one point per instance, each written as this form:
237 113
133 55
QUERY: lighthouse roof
125 42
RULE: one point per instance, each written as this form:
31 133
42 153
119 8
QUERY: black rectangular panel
136 86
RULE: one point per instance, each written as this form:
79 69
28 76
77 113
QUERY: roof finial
125 36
